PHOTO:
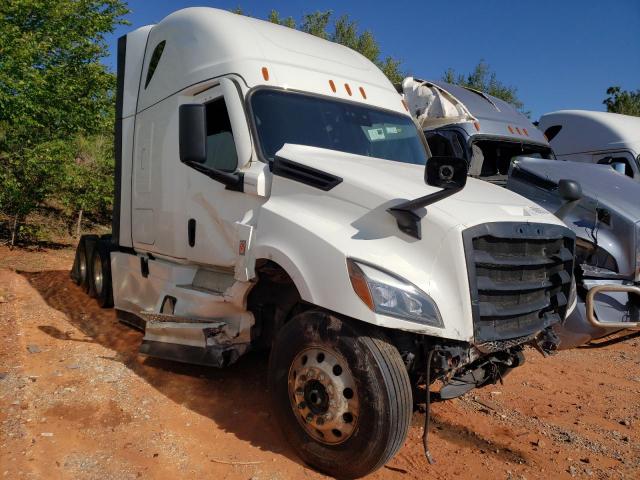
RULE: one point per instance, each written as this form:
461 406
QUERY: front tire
341 393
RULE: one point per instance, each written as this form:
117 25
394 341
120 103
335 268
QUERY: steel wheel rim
323 395
97 274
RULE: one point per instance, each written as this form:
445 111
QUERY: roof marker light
362 92
510 129
525 132
265 73
347 88
404 104
333 86
518 130
477 125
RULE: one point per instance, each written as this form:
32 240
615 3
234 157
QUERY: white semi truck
271 192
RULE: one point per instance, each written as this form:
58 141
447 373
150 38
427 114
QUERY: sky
559 54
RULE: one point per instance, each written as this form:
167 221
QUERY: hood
372 182
600 183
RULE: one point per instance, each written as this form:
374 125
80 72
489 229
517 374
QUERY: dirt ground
77 402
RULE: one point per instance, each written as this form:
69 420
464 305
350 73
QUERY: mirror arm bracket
405 213
232 181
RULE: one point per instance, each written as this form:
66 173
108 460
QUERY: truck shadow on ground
235 398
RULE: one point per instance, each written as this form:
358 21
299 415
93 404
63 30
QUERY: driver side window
620 164
221 148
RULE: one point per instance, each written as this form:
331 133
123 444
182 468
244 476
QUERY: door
212 210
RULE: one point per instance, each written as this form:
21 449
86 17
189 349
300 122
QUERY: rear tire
341 393
82 274
101 275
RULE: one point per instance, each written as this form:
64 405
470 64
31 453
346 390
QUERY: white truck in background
270 192
595 137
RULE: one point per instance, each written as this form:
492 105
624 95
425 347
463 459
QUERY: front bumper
628 321
608 307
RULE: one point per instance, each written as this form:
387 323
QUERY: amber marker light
333 86
510 129
359 284
477 125
347 88
524 130
265 73
404 104
362 92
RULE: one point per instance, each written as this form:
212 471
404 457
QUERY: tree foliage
53 89
343 31
623 101
484 80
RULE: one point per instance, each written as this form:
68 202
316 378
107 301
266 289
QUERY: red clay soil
77 402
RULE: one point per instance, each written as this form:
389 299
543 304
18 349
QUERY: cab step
190 340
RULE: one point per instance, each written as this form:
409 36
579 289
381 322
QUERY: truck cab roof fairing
204 43
587 131
494 116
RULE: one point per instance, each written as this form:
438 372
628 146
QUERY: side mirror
193 146
446 172
569 190
193 133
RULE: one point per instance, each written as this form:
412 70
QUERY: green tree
343 31
623 101
486 81
52 88
87 184
274 17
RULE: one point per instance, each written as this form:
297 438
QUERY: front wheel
341 394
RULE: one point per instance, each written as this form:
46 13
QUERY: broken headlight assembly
388 294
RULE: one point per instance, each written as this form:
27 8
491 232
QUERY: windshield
288 117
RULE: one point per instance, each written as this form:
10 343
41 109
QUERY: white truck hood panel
370 182
311 232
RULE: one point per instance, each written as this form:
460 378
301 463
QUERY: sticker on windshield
375 134
393 130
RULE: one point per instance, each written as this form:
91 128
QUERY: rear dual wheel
92 268
341 394
101 275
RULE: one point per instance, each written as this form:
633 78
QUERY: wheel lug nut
299 391
309 418
320 421
302 405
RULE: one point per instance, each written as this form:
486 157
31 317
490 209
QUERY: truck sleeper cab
270 193
503 147
595 137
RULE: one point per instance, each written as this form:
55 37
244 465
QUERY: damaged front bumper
607 307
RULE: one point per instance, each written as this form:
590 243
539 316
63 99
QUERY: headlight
390 295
